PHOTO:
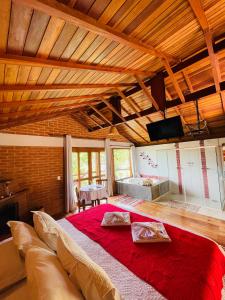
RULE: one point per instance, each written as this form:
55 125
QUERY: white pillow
149 232
24 236
116 219
12 267
90 278
47 228
47 280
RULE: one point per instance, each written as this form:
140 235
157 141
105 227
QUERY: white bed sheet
130 286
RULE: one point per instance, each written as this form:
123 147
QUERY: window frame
130 163
90 178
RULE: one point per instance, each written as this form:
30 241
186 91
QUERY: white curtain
108 155
134 161
70 195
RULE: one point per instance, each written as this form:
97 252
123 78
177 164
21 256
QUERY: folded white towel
149 232
116 218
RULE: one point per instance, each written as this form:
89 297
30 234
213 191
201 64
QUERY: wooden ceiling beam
190 86
132 106
198 57
113 109
99 120
123 119
101 115
177 109
86 116
215 67
137 133
197 8
147 92
66 65
73 16
188 81
15 104
40 110
173 79
201 94
55 87
128 101
136 121
199 12
137 109
214 61
78 119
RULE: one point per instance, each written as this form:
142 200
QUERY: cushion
116 219
47 228
90 278
149 232
46 277
11 265
24 236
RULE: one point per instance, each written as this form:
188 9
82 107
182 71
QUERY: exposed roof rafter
199 12
101 115
66 65
147 92
73 16
41 110
177 102
173 79
54 87
14 104
123 119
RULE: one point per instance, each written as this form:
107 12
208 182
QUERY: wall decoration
147 157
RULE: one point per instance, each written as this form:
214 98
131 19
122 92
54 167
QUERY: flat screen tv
165 129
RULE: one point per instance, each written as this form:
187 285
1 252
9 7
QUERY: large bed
130 286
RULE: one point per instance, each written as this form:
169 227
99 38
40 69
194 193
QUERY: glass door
95 166
88 164
84 168
122 163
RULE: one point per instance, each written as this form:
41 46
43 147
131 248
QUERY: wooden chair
104 183
81 203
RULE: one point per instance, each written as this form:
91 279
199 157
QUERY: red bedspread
190 267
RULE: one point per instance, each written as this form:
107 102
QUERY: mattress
130 286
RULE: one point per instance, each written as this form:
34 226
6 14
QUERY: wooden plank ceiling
73 56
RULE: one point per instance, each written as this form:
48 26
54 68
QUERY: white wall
46 141
7 139
194 180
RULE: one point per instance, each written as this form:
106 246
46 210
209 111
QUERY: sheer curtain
134 161
108 155
70 195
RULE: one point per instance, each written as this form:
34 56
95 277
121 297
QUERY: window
88 164
122 163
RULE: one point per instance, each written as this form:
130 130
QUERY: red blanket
190 267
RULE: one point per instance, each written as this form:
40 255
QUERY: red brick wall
57 127
37 168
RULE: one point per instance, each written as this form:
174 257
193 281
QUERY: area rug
182 205
127 200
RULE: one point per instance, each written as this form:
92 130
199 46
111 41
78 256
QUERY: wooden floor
207 226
